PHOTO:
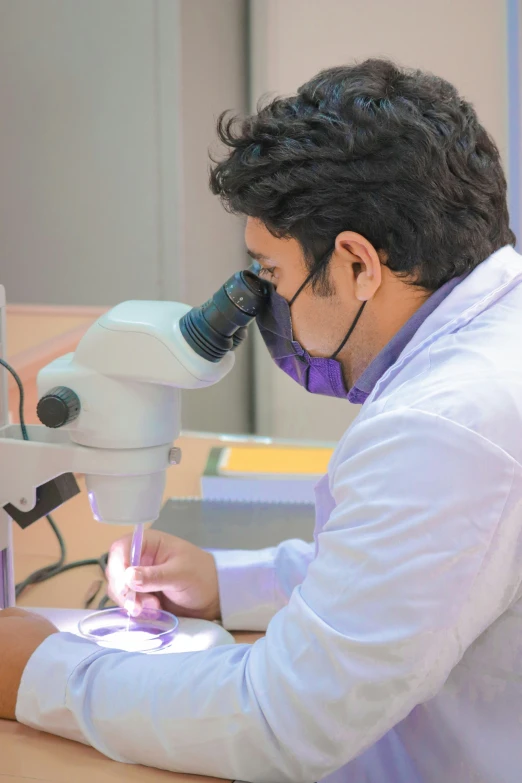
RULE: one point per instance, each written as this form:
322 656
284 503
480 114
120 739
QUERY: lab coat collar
488 282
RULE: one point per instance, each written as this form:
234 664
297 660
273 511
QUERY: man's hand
176 575
20 634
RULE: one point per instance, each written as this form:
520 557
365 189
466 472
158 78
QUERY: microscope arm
50 453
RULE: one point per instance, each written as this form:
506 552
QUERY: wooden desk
26 754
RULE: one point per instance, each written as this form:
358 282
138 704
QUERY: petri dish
153 630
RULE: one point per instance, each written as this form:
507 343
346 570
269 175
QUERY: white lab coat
393 652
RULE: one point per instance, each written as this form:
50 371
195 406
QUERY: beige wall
461 40
107 110
78 151
214 78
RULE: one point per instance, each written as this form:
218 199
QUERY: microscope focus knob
58 407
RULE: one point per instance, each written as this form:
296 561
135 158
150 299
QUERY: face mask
316 375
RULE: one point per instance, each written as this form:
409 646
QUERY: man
376 205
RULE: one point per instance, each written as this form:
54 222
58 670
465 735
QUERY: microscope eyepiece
219 325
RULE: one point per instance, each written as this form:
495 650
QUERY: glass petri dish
153 630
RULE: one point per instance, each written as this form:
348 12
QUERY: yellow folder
274 461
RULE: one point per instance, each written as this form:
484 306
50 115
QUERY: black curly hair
391 153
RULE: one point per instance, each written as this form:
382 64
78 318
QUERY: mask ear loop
324 259
350 330
301 287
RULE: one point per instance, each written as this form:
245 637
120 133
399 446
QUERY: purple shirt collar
365 384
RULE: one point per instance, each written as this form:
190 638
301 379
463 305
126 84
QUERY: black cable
59 567
21 397
104 601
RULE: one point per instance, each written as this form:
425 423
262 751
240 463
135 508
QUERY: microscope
111 409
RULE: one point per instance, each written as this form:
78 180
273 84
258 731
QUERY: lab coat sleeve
386 610
254 585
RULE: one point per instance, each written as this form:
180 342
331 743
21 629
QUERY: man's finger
140 602
119 553
118 598
118 563
148 579
149 601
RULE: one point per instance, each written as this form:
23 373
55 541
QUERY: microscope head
118 395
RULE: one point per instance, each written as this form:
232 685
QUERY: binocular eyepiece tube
219 325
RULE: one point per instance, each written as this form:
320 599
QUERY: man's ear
357 257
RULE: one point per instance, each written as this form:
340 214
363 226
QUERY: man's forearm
254 585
